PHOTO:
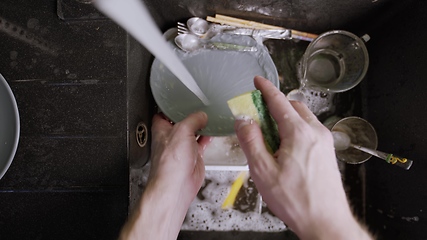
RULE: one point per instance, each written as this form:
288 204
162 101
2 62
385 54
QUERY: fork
182 28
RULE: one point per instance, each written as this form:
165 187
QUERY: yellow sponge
252 105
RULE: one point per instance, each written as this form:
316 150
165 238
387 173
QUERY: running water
135 18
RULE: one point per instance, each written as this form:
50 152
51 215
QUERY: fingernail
203 113
242 121
260 77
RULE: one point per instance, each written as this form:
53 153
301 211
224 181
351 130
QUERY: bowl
220 74
9 126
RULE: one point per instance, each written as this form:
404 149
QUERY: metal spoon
204 30
190 42
342 142
198 26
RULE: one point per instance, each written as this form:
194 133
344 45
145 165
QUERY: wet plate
221 75
9 126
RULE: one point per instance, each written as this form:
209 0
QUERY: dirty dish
9 126
221 75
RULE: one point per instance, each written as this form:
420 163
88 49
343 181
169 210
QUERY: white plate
220 74
9 126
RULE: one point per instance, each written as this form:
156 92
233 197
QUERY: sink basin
285 55
368 17
205 217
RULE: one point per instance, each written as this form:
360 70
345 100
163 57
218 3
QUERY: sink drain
141 134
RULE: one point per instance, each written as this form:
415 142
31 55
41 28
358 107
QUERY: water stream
133 16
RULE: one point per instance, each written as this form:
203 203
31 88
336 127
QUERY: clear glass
336 61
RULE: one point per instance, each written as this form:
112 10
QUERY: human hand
301 183
176 175
177 155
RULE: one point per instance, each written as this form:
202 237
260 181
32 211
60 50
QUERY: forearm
157 217
336 230
346 227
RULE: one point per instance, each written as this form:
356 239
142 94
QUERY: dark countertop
68 67
69 178
396 199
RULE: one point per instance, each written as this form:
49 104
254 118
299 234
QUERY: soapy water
318 102
224 151
248 213
206 214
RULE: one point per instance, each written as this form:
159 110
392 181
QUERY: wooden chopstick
237 22
249 24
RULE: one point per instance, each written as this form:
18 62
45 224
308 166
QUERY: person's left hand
176 175
177 164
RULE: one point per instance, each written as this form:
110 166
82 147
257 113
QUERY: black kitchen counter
66 65
396 200
70 69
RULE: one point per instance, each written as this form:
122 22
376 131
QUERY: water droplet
13 55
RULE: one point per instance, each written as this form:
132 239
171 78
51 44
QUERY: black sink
397 40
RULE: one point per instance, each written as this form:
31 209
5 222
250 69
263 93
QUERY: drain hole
141 134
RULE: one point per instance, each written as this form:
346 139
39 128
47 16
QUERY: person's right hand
301 183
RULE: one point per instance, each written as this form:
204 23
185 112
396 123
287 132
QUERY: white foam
207 215
224 152
318 102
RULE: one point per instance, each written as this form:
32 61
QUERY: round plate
220 74
9 126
